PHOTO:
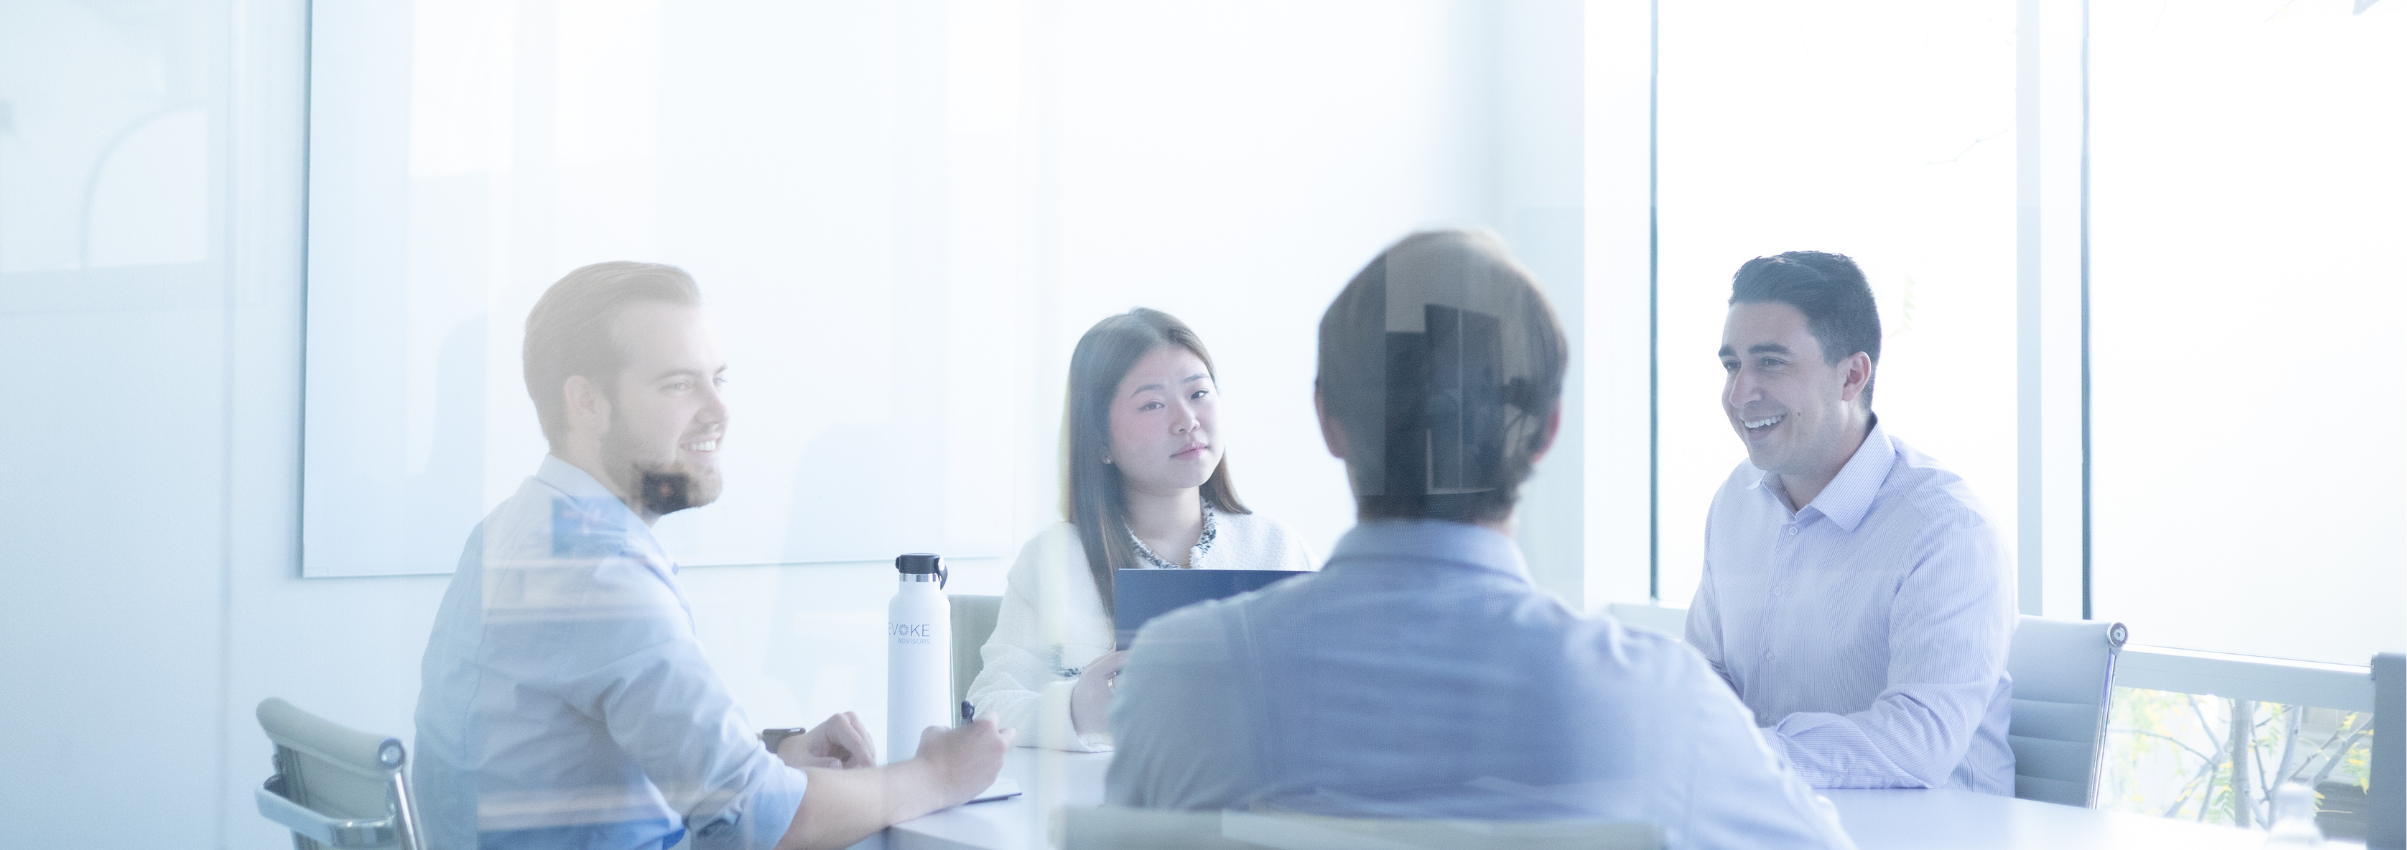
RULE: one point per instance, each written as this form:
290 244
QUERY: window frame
2053 177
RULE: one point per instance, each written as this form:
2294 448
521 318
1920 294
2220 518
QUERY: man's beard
665 488
666 492
668 488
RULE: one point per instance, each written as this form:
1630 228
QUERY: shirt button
1767 655
1775 590
1792 529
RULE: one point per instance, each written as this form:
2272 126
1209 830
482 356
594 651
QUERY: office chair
973 622
334 787
1116 827
2063 689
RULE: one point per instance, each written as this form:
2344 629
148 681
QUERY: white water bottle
919 655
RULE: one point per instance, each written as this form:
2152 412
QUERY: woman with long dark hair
1146 486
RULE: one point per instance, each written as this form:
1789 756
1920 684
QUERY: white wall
1233 166
112 579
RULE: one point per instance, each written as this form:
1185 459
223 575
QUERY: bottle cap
921 564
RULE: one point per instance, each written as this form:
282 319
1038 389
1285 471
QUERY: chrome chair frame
2037 726
284 799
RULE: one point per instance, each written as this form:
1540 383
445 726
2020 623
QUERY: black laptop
1141 595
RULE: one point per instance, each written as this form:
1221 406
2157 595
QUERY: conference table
1878 820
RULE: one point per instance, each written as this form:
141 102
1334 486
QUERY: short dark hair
1093 495
569 331
1441 362
1829 289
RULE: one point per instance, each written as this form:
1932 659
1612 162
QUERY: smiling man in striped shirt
1855 595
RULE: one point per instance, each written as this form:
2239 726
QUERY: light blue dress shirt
565 701
1420 674
1868 630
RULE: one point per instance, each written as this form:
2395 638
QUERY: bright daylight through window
1884 131
2247 294
2242 292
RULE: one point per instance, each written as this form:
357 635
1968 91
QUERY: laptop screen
1141 595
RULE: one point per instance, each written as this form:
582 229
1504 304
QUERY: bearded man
566 702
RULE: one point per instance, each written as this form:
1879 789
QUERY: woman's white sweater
1052 623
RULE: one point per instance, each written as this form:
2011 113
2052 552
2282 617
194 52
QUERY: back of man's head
570 330
1441 363
1829 289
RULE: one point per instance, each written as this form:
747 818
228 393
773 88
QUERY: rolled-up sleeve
667 709
758 819
1949 629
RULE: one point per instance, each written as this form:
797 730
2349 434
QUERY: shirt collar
580 486
1849 494
573 481
1431 539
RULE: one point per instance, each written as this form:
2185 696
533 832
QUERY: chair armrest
332 832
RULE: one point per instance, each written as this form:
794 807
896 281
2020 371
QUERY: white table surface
1878 820
1944 820
1049 780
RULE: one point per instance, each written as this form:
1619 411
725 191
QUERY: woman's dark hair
1092 494
1832 293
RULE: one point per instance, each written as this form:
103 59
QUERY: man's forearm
1842 751
841 807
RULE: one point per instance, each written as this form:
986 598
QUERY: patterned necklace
1203 544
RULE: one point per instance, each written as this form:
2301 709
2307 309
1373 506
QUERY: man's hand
1091 698
964 760
844 806
840 742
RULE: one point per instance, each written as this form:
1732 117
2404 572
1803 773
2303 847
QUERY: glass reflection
566 700
1420 673
1148 487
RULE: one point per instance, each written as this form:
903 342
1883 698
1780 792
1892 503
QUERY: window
2237 295
1882 131
2247 293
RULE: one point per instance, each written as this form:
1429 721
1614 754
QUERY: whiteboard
463 155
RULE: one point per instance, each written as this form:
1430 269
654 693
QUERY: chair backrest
1115 827
973 623
336 787
2063 689
2386 786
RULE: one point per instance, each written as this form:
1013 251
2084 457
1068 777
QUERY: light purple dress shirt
1867 630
